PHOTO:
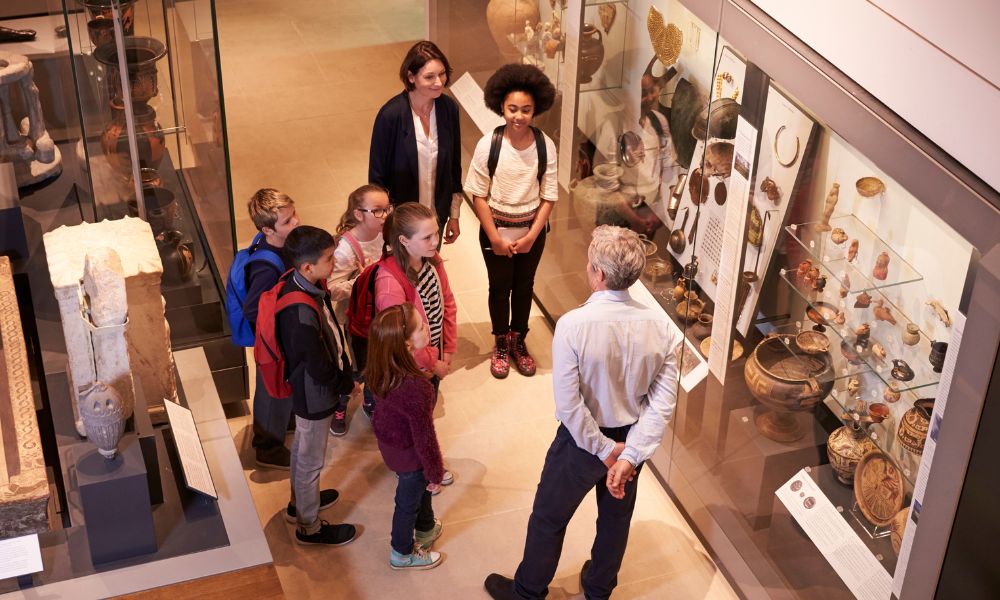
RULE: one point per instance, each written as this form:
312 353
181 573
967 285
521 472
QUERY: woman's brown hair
419 55
403 222
348 221
389 360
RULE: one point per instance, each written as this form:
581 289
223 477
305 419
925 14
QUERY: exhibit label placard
197 475
20 556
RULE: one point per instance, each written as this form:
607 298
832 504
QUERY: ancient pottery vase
897 528
506 18
938 351
912 431
150 142
845 447
177 256
911 335
785 380
702 328
901 370
141 55
591 52
103 413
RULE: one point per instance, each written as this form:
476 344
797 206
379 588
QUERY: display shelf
857 274
600 2
882 332
843 369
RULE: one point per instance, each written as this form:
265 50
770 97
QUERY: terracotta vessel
863 300
161 209
812 342
912 431
845 447
881 269
911 335
702 328
891 394
177 257
878 488
938 351
862 335
897 528
100 10
901 370
103 413
149 139
784 379
507 17
591 52
680 288
141 56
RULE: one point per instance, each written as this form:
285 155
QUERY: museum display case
116 214
822 259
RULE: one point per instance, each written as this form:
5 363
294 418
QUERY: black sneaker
368 409
338 426
583 572
327 498
275 457
500 587
328 535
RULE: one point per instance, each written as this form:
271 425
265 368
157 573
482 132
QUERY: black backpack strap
543 153
655 123
491 163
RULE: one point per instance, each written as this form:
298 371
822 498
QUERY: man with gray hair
614 375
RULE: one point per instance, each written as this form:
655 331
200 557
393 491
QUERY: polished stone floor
303 82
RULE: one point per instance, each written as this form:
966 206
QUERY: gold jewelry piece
666 39
777 157
728 78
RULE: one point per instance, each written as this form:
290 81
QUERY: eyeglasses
378 213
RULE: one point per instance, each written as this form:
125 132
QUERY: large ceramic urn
591 52
785 379
103 413
506 18
150 141
845 447
912 432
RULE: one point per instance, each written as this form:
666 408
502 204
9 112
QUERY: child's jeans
308 456
413 510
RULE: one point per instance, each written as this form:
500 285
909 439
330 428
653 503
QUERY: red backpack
361 309
266 348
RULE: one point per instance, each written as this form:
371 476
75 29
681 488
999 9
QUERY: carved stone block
24 487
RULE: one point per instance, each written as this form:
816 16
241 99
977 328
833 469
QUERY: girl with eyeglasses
359 235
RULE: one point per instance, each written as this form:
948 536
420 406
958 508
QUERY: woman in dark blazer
416 148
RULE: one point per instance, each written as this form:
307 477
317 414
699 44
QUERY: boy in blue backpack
319 372
273 213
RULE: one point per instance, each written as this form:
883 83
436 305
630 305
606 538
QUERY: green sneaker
418 560
425 539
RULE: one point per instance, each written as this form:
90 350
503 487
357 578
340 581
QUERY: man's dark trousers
568 476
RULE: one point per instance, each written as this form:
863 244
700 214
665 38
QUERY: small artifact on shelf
719 159
811 276
897 528
690 309
840 318
845 284
853 385
812 342
869 186
912 431
863 300
901 370
698 185
821 313
911 335
853 354
819 284
940 311
607 13
755 230
852 251
803 270
838 235
881 269
706 345
657 268
8 34
677 240
879 410
938 351
702 328
679 289
591 52
847 444
769 187
786 380
676 194
831 202
862 335
882 313
891 394
878 350
878 488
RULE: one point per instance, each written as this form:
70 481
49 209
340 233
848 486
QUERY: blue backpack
236 288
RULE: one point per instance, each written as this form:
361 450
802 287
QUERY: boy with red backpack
316 368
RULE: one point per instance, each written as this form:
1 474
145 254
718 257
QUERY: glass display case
821 258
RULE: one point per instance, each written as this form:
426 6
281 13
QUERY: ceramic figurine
803 270
881 270
819 284
811 276
853 385
882 313
840 318
940 311
852 252
938 351
878 350
838 235
911 335
863 300
863 333
831 202
769 187
901 370
891 394
845 284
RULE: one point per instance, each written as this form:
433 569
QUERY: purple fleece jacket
404 428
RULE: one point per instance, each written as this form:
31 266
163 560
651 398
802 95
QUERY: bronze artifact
698 186
676 193
869 186
847 444
911 335
863 300
630 149
901 370
691 269
940 311
852 354
852 252
878 488
769 187
718 120
897 528
777 157
755 230
719 159
680 289
912 431
694 227
703 327
690 309
720 193
656 268
838 235
831 201
881 270
784 379
891 394
677 240
747 279
862 333
821 313
591 52
938 351
882 313
812 342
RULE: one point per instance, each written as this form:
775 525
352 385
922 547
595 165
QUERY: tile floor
304 128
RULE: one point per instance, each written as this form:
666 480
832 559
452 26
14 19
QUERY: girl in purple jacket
404 429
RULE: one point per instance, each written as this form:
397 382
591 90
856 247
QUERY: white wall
947 84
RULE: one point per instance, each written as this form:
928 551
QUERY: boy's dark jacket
260 277
308 344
